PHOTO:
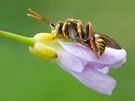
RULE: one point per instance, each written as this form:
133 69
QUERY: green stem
26 40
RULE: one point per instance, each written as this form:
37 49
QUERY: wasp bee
73 30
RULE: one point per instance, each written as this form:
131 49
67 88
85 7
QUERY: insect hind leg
92 45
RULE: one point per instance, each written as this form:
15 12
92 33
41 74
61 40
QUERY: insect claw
54 35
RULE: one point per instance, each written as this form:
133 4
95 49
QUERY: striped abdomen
100 44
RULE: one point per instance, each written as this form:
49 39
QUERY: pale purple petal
96 80
110 56
104 70
118 64
71 62
78 50
114 56
100 66
95 65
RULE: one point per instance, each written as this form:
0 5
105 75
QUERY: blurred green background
24 77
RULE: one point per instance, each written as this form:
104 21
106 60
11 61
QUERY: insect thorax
71 31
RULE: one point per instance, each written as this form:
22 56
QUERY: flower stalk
23 39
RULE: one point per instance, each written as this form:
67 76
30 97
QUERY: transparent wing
109 42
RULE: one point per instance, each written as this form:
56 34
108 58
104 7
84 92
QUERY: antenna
39 17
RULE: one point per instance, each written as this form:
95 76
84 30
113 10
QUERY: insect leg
92 38
64 31
80 32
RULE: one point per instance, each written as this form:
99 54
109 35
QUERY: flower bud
42 51
45 37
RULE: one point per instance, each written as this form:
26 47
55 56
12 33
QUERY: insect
73 30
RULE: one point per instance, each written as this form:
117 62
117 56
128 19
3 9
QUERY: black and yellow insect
73 30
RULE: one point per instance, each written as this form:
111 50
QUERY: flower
80 61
